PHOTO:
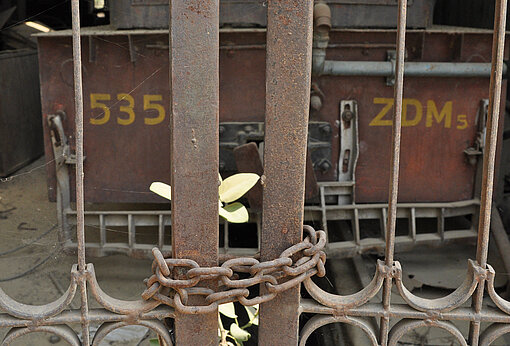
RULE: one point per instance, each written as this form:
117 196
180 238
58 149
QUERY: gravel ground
28 220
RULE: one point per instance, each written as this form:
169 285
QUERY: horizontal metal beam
412 69
95 316
399 311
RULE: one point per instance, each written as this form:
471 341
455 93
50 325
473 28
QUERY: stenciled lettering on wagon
123 105
431 114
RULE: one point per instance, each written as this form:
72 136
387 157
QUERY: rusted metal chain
299 262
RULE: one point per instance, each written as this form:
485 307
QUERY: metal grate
356 240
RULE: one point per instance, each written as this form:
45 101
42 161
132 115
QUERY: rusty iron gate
189 286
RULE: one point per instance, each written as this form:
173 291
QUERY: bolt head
325 129
325 165
53 339
347 115
315 102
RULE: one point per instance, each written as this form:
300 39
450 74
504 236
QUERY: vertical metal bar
412 224
324 218
78 104
131 231
384 222
80 211
489 156
225 235
395 162
288 79
492 131
161 231
194 85
259 230
102 230
440 223
357 232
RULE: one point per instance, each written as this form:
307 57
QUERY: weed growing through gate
230 190
236 333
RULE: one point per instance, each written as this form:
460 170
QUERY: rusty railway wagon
329 103
126 93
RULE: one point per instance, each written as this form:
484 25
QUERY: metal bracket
132 49
476 150
61 149
92 49
62 156
235 134
392 57
349 146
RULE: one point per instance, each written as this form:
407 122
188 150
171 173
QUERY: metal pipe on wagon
321 28
323 67
412 69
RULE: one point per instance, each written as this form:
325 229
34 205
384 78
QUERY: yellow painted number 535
126 105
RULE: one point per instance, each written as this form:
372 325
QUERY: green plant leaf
228 310
235 186
238 333
252 314
162 189
154 342
235 213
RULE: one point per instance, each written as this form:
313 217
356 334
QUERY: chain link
299 262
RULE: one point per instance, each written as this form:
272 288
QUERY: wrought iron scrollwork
455 299
157 326
493 332
38 312
502 304
63 331
404 326
357 299
417 312
26 319
321 320
113 304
